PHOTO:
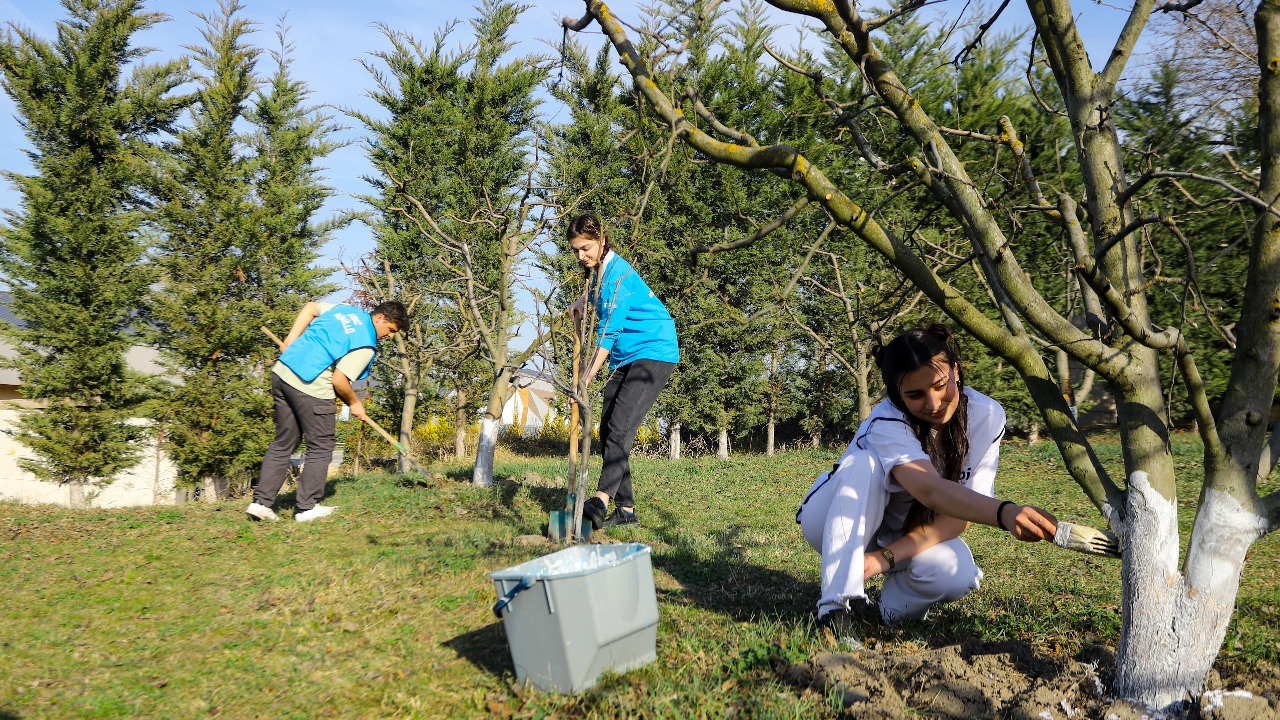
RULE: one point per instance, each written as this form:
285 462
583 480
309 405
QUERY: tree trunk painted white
483 472
1033 435
158 495
673 441
815 439
213 488
722 448
490 425
1176 623
76 495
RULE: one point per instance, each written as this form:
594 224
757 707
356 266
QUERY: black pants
298 415
630 393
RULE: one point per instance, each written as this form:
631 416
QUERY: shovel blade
560 526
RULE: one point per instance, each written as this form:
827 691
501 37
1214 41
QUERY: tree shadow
486 648
9 715
727 582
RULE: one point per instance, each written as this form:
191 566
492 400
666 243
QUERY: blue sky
329 38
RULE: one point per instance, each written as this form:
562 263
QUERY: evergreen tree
234 254
453 221
73 254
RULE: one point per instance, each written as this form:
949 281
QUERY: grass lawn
384 609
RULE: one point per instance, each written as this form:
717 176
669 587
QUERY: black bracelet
999 510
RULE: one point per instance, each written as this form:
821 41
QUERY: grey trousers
298 415
632 389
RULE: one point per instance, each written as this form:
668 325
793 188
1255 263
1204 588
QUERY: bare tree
487 300
430 339
1174 616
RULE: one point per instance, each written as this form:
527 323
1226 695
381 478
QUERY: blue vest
338 331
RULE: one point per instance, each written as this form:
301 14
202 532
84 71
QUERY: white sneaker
318 511
261 512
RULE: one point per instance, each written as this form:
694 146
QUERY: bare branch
982 33
1259 203
758 235
737 136
578 25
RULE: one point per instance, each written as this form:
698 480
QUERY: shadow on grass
7 715
289 500
727 582
485 648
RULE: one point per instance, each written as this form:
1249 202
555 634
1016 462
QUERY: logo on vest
349 322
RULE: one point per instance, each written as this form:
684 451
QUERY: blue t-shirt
633 322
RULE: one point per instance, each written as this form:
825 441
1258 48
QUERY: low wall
150 482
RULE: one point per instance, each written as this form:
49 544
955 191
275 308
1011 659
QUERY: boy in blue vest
327 347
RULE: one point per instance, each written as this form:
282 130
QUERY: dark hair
393 311
916 348
587 224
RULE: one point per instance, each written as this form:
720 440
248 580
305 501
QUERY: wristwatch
888 555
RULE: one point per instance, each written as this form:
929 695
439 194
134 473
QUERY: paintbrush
1085 539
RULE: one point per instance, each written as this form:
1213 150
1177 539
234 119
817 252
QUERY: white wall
147 483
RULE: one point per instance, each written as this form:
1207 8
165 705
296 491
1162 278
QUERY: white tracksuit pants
841 519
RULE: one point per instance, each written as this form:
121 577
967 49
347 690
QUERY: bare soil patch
1005 680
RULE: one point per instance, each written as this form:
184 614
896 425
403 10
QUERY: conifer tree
455 213
72 255
234 255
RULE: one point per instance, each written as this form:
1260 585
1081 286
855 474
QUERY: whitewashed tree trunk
1176 622
76 495
158 491
483 472
1033 435
722 448
213 488
673 441
490 425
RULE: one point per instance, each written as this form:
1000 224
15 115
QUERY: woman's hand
575 312
1029 523
873 564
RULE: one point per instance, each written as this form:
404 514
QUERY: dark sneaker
843 628
621 517
595 511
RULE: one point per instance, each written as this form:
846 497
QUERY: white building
150 482
530 406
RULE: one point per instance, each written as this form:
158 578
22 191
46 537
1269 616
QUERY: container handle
524 584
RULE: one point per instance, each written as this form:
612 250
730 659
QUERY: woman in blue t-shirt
638 337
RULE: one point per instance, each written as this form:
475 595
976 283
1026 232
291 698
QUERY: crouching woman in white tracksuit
920 469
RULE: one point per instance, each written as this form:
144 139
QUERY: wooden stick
574 416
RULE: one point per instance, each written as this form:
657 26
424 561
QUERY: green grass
384 610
